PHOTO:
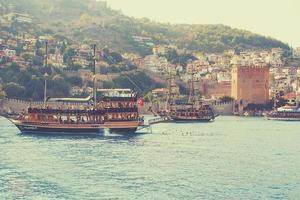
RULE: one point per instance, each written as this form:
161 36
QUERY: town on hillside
248 80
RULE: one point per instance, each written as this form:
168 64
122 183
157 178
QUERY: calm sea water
232 158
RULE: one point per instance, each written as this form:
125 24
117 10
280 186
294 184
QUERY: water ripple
232 158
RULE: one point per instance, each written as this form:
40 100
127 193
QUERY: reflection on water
232 158
83 137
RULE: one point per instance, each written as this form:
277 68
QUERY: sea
231 158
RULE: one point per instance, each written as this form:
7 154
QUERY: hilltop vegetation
73 24
29 84
87 20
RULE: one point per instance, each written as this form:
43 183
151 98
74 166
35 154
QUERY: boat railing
121 110
158 120
81 112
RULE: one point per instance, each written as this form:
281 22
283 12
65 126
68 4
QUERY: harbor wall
223 108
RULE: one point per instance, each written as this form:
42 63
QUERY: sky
279 19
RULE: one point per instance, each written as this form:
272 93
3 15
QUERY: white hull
283 119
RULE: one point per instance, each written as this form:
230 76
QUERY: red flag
140 102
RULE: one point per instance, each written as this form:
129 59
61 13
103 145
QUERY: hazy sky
276 18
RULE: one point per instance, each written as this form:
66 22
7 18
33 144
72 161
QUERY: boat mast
297 88
94 77
46 52
192 88
168 102
275 99
45 75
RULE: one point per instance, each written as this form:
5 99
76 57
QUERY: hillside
88 20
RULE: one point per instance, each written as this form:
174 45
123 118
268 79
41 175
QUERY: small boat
285 113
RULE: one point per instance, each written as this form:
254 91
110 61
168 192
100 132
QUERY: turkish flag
140 102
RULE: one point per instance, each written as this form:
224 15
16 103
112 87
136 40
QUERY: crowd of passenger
100 109
102 112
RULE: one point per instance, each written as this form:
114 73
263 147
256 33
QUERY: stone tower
250 83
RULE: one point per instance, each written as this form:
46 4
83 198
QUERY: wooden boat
188 113
118 114
194 110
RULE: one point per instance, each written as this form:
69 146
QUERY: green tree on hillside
76 81
68 55
14 90
2 94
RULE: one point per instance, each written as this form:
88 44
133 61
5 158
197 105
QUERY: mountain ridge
91 21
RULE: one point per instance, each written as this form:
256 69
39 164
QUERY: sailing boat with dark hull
192 111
